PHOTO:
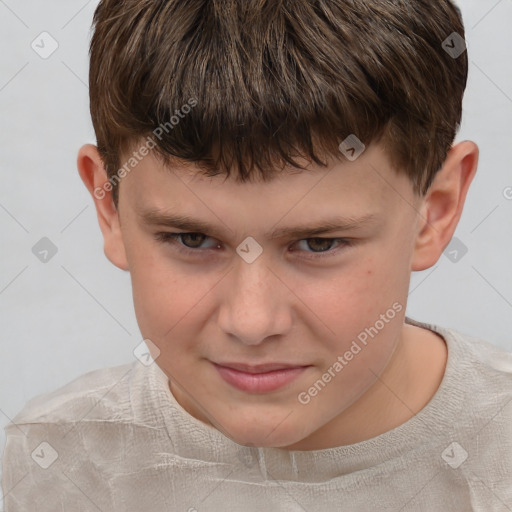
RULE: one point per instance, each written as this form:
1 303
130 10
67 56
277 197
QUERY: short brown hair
277 79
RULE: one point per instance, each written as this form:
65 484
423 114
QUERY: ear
442 206
93 174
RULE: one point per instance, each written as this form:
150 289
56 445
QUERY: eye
194 239
318 244
322 247
190 243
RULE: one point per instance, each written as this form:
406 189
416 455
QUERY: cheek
363 304
160 292
344 299
169 299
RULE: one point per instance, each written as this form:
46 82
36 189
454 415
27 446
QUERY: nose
256 303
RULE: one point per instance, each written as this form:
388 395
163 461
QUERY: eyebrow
190 224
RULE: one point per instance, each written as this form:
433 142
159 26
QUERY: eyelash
173 239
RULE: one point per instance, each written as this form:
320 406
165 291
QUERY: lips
260 368
263 378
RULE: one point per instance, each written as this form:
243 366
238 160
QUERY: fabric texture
115 439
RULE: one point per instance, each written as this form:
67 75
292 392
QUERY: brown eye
192 240
190 244
319 248
320 244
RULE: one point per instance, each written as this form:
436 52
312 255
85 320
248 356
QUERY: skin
284 307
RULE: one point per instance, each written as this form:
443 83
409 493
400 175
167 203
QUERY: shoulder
102 391
473 405
486 355
483 372
465 350
481 367
53 431
485 426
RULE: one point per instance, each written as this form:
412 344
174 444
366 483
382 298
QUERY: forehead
349 186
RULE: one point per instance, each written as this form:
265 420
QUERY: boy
270 172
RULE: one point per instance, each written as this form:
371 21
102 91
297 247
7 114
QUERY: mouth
262 378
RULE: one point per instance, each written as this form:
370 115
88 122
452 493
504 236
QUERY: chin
266 434
263 440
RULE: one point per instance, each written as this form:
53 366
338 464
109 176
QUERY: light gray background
74 313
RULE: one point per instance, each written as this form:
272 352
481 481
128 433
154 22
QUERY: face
259 286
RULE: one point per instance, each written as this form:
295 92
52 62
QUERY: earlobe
93 174
443 204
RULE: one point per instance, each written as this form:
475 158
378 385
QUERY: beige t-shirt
115 439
